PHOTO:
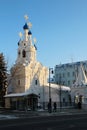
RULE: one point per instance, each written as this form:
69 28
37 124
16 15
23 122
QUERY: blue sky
60 27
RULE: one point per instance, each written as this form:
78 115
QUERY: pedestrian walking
49 107
79 105
55 106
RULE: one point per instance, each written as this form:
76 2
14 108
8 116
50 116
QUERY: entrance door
32 101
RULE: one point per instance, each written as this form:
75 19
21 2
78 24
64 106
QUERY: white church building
28 81
79 88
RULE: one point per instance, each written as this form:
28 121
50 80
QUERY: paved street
64 122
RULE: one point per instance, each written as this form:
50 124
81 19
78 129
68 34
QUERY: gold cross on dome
35 40
30 25
20 34
26 17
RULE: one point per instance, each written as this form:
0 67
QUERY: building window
59 75
18 82
68 82
19 53
63 75
73 74
63 82
68 74
36 82
63 100
73 81
24 44
24 53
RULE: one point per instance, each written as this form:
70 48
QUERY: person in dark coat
55 106
79 105
49 107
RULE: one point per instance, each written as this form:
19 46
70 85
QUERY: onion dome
25 26
29 33
18 43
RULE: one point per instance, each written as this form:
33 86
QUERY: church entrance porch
25 103
32 102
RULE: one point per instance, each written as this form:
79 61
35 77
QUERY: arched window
24 53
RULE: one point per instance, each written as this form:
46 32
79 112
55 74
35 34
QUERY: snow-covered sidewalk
2 117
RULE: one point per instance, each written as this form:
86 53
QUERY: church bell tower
26 50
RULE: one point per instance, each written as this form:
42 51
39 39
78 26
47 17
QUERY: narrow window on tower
36 82
24 53
19 52
18 82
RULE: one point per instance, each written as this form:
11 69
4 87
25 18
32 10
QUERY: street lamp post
43 96
60 97
60 91
50 100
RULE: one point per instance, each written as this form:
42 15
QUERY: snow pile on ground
2 117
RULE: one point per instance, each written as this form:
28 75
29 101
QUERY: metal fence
62 105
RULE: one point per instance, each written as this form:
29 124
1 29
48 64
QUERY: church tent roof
81 78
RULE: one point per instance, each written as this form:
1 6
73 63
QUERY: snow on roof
36 91
15 95
57 86
31 91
